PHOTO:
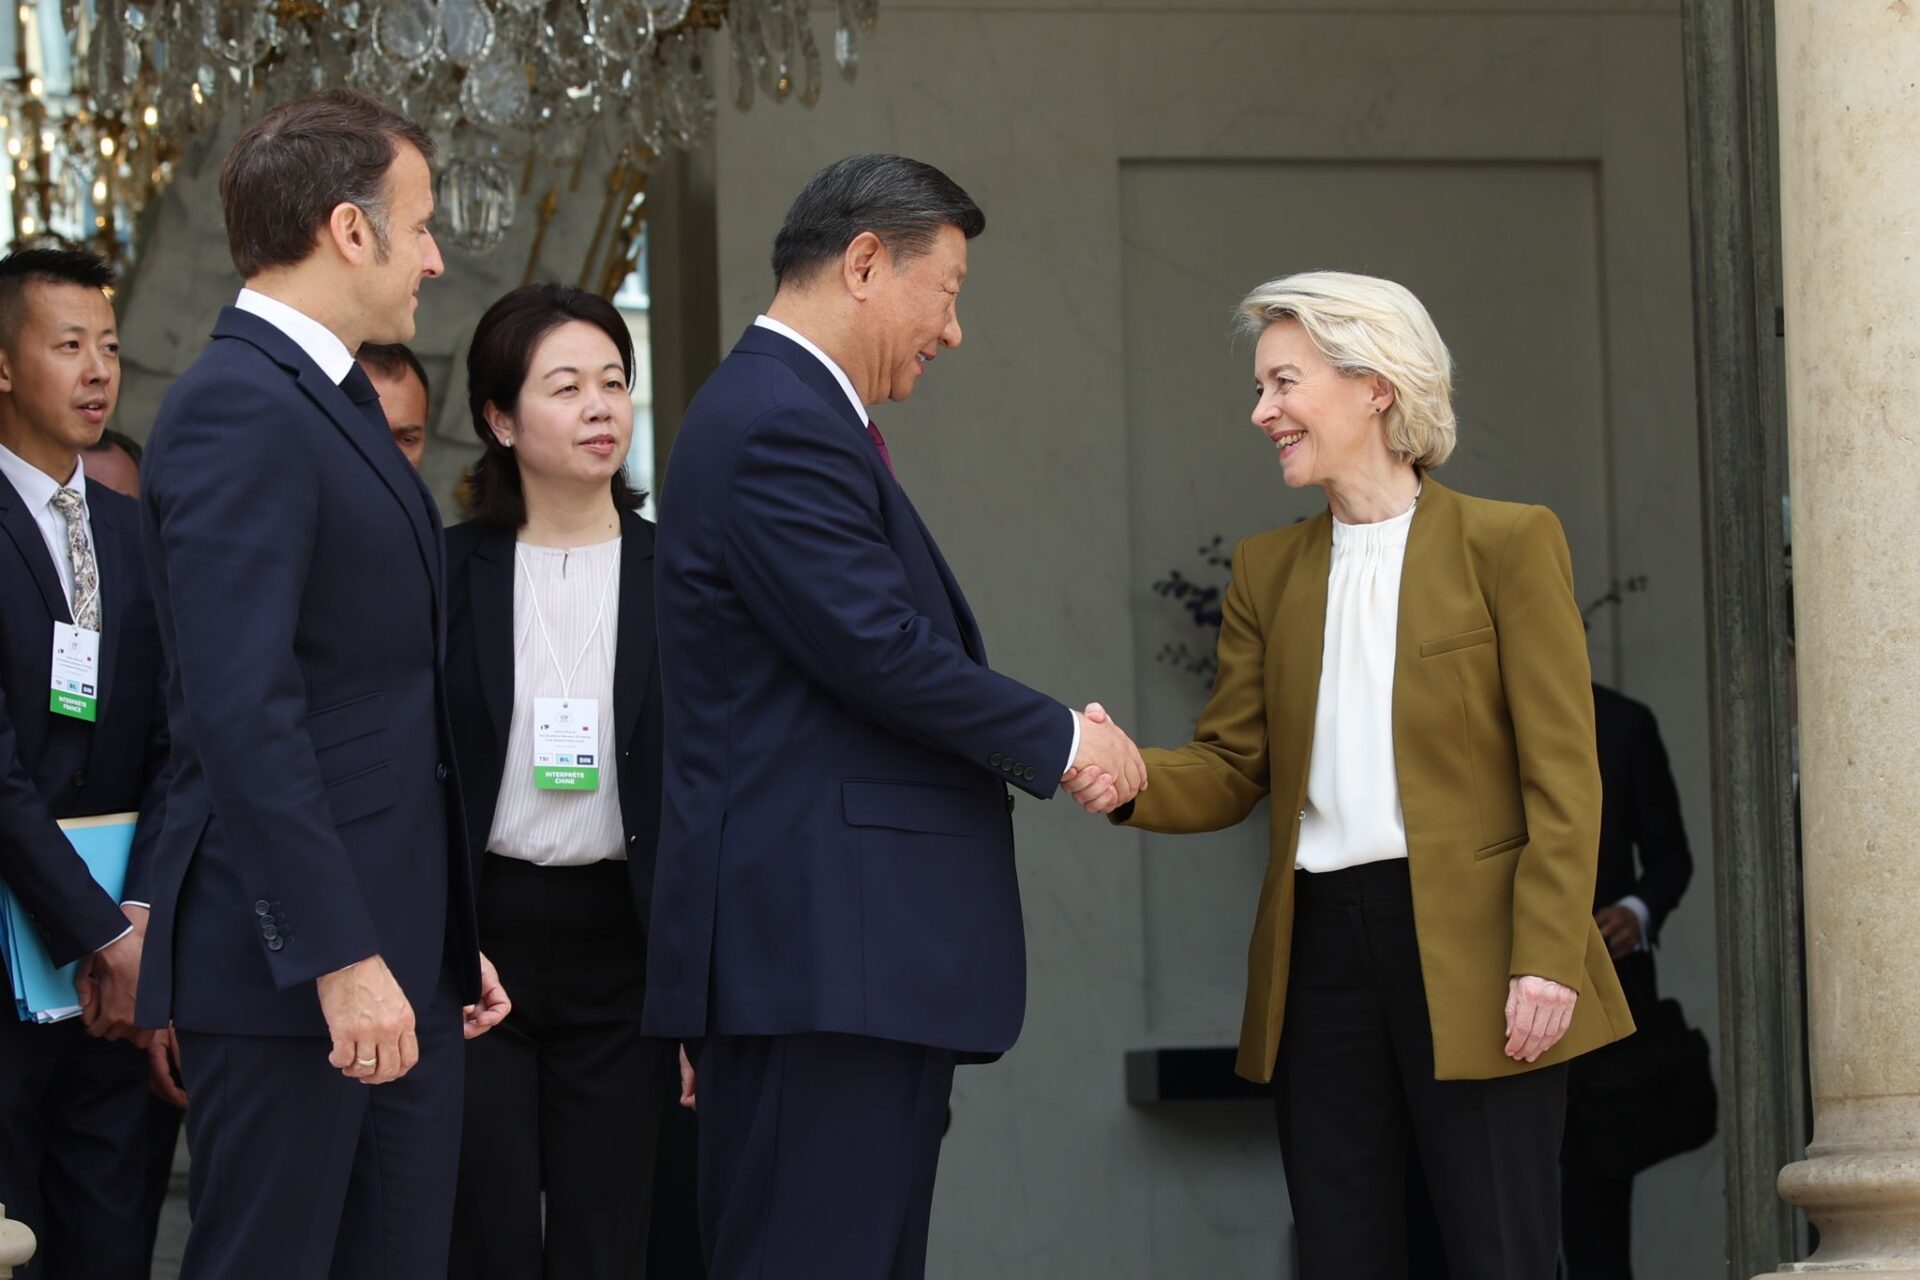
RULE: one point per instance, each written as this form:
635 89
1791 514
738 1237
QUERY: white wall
1522 165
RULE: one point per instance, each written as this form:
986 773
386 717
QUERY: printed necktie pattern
86 574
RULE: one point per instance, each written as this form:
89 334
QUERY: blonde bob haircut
1368 327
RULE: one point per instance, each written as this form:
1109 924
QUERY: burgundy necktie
881 445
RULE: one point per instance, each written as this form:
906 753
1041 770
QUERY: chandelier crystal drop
102 97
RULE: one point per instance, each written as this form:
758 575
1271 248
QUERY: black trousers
817 1155
73 1146
565 1097
1597 1209
1354 1087
304 1174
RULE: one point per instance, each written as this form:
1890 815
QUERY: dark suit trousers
817 1155
303 1174
73 1144
1354 1085
566 1096
1596 1209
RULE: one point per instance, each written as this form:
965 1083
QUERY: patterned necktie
873 433
86 575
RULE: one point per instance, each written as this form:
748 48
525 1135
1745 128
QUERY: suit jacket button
994 759
1027 773
1006 766
79 779
631 839
262 908
275 944
271 934
440 772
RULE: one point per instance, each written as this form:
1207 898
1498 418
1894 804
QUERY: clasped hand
1108 771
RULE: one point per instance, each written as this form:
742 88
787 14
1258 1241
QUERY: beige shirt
576 592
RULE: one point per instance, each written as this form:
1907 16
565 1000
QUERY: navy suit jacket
836 852
1639 812
480 593
54 766
298 572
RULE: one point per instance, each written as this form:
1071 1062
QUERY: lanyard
533 600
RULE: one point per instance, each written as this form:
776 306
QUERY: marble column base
1866 1205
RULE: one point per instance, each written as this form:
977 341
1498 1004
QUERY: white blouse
1353 789
575 588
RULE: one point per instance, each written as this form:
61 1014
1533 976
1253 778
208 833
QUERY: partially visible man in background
397 375
114 460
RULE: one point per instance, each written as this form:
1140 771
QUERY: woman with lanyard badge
555 699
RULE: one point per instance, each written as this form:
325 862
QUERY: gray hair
1369 327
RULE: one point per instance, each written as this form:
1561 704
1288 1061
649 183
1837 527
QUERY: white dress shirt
322 345
36 489
1353 786
853 398
578 598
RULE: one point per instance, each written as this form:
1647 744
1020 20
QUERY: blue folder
42 993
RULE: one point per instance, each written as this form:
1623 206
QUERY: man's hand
1538 1014
163 1068
688 1098
370 1020
108 980
1108 772
1620 927
478 1019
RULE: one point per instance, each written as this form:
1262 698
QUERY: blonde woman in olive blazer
1436 768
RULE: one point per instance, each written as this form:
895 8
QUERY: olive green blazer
1493 741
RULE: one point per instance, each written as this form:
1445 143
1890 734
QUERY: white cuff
1073 752
116 937
1639 909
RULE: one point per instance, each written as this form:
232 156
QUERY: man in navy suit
72 1105
836 917
312 930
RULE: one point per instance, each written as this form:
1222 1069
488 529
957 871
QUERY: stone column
16 1244
1849 86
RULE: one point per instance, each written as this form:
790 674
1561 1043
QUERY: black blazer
480 586
53 766
1640 809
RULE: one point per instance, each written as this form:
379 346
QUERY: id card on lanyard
75 682
566 730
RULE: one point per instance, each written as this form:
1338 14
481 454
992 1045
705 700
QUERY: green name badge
75 681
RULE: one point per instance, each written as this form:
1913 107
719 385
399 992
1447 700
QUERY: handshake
1107 772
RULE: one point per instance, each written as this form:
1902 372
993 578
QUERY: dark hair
497 367
45 266
393 359
300 161
902 201
110 439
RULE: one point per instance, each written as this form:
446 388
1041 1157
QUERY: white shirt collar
839 374
322 345
35 487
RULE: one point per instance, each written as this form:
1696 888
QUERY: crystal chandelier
106 94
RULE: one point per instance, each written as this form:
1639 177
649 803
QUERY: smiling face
574 420
60 373
915 313
1326 425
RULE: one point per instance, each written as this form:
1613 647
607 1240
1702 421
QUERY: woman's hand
1538 1014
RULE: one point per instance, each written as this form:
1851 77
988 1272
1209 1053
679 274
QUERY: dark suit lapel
490 581
25 534
633 656
374 445
962 612
110 551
